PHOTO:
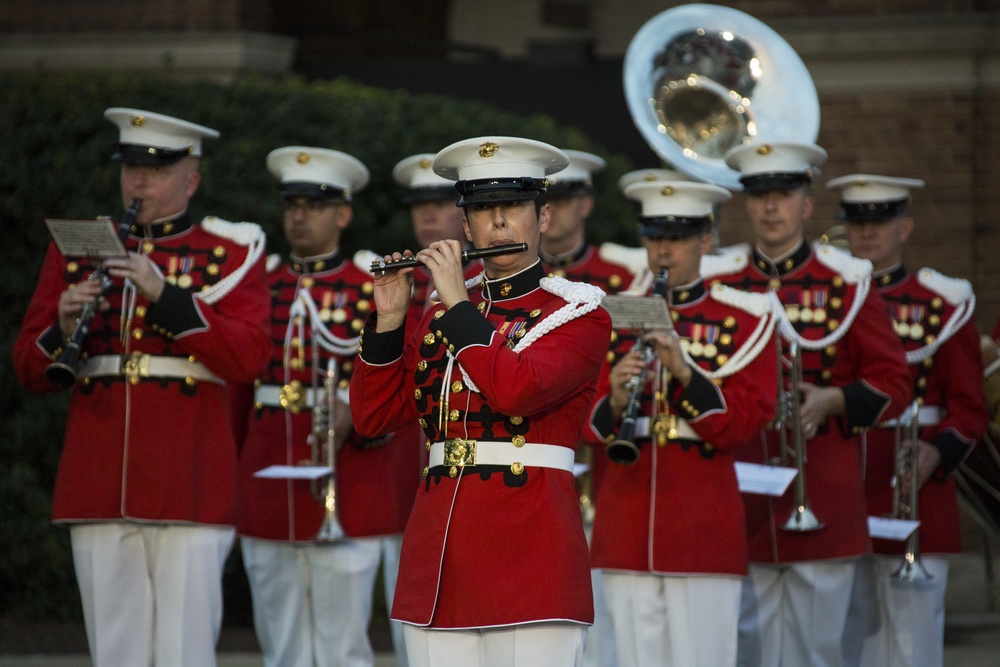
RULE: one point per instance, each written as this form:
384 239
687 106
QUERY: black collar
686 294
316 264
513 286
159 230
891 277
782 266
559 261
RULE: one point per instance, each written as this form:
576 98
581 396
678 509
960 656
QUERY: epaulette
953 290
633 259
242 233
853 269
273 262
757 304
363 260
723 261
572 291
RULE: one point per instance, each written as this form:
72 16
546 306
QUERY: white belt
294 396
462 452
927 415
684 430
137 366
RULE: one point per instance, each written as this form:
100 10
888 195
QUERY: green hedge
54 150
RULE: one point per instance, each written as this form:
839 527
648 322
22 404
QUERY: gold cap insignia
302 158
667 191
488 149
765 149
425 164
138 121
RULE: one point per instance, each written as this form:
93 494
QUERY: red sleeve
31 354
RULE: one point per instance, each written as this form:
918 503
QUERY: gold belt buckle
292 397
459 452
135 366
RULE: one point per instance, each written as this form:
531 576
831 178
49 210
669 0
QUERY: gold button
417 394
72 267
729 322
936 303
934 320
836 303
438 334
457 386
538 311
610 357
429 339
453 472
363 305
367 289
189 381
137 334
147 247
212 269
422 365
774 283
140 311
614 282
518 440
481 306
838 281
422 422
427 445
516 421
453 415
219 251
517 467
438 314
451 348
427 471
725 339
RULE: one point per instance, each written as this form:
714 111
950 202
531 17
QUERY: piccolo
467 255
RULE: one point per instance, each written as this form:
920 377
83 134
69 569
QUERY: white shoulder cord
789 333
305 305
758 340
581 299
246 233
958 319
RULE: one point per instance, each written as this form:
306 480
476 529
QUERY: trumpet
467 255
802 518
62 371
324 431
624 450
912 569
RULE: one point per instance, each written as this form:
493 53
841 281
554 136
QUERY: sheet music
762 479
96 239
891 529
641 313
294 472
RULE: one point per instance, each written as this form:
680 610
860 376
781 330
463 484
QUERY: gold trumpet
802 518
905 506
324 448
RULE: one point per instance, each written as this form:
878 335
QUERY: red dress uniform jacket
678 509
491 545
322 301
932 315
826 297
609 267
142 445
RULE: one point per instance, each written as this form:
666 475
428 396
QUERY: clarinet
62 371
624 450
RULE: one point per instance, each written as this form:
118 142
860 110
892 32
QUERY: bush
54 163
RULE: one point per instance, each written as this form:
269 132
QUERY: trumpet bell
802 520
701 79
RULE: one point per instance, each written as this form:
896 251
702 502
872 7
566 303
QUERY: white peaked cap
416 172
641 175
581 169
157 131
872 189
498 157
681 199
330 172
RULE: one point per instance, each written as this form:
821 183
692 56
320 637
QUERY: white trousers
312 603
795 615
550 644
600 648
912 614
390 570
687 621
151 593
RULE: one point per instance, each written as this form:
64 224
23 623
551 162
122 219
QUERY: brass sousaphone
701 79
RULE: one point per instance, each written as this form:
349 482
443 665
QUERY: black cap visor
149 156
873 211
774 181
673 227
499 190
421 195
313 190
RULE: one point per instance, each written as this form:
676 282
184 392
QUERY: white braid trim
581 299
760 305
954 323
726 260
244 233
305 306
954 290
272 263
789 333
